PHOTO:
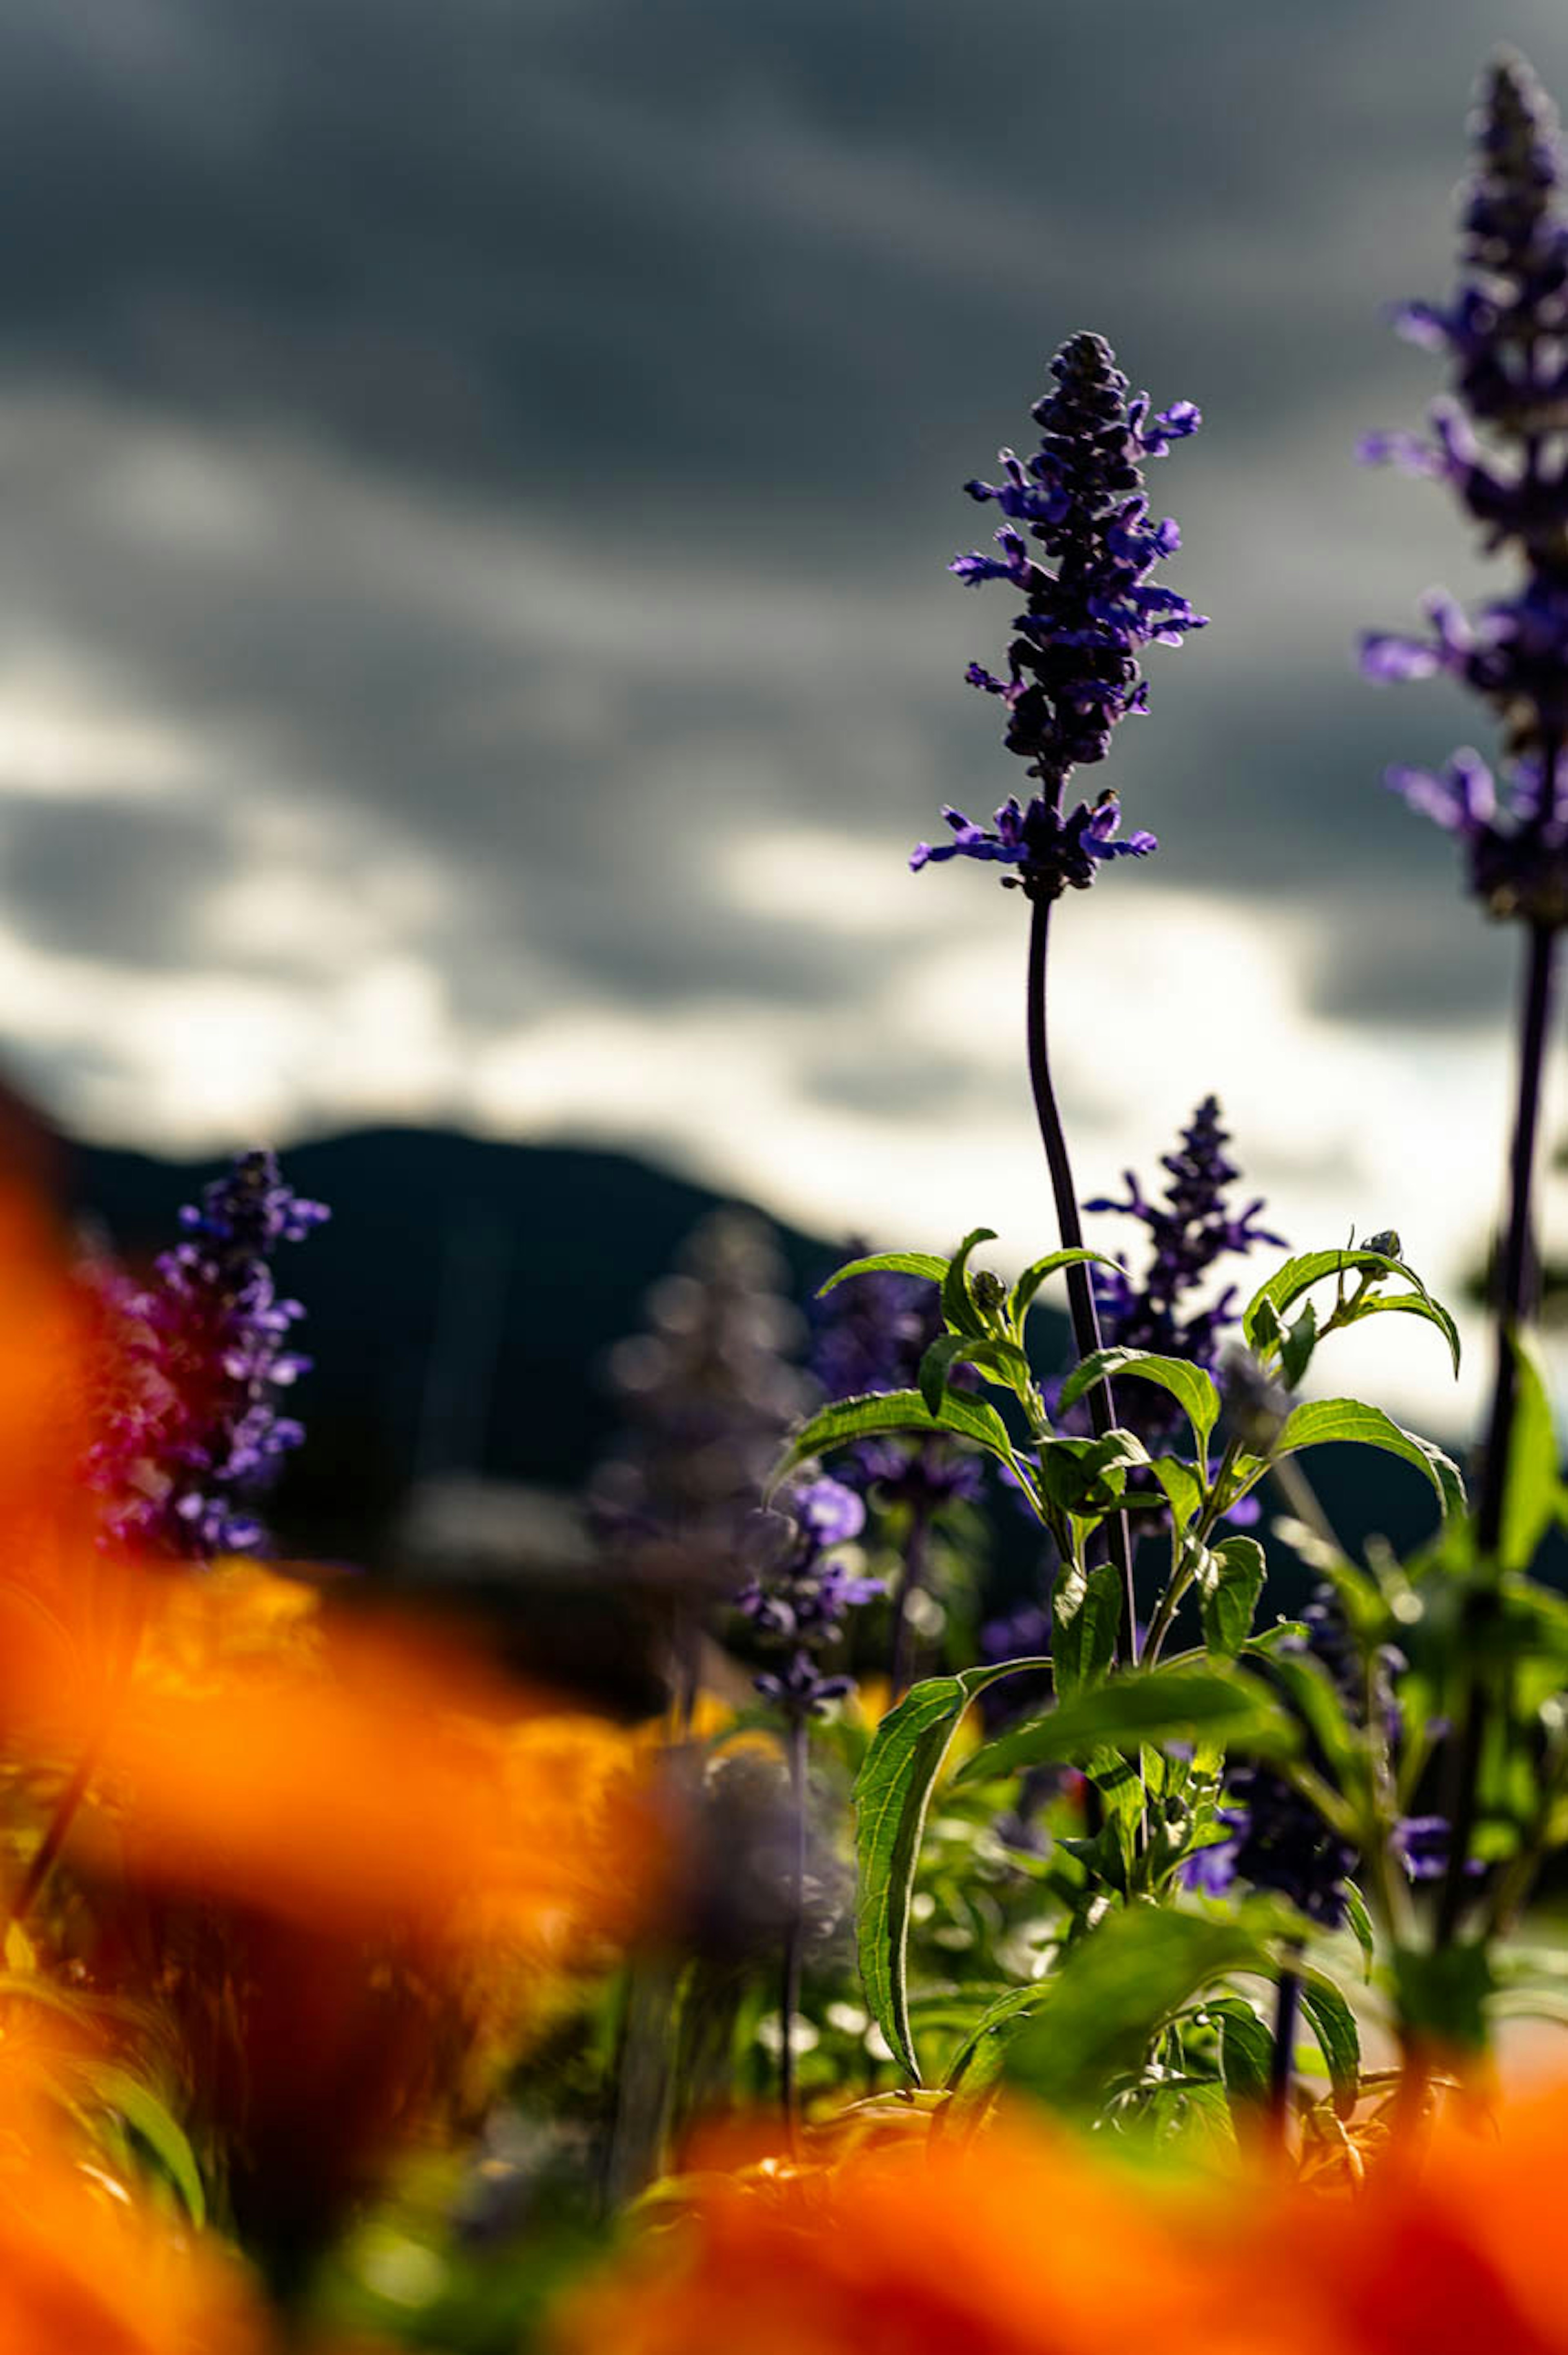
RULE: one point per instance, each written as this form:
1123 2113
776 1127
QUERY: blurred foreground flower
1022 2242
87 2266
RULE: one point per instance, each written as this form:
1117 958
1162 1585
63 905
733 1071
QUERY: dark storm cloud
584 389
119 879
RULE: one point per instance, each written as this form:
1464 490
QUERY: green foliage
1169 1704
1191 1388
892 1793
1116 1990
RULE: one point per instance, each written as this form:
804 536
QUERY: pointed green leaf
1296 1347
1246 2048
958 1307
1261 1319
1182 1488
1087 1476
923 1263
1334 2025
1114 1991
1154 1705
1229 1585
1412 1304
1039 1272
1085 1620
1361 1925
1530 1497
1317 1420
892 1792
153 2123
1187 1384
1000 1358
857 1418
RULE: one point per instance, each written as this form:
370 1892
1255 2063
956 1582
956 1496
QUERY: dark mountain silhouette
462 1303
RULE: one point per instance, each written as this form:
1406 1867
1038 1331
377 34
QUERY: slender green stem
1515 1285
1080 1291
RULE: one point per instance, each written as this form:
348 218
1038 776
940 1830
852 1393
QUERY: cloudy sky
475 642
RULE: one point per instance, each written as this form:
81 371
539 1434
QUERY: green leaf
1296 1347
1182 1486
892 1792
853 1418
1317 1420
1000 1357
1085 1620
1530 1500
1087 1475
1154 1705
1187 1384
1298 1276
958 1308
1115 1989
1230 1580
977 2062
1041 1270
1412 1304
1360 1923
116 2089
1334 2025
1246 2049
922 1263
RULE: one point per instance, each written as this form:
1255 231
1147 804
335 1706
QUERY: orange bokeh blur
1028 2242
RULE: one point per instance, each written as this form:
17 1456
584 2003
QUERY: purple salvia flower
1191 1228
1499 444
1090 610
195 1430
801 1592
1051 852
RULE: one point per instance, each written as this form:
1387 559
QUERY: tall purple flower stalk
797 1599
1191 1229
1090 608
1498 443
197 1431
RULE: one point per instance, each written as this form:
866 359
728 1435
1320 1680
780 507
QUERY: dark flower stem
1286 2012
912 1584
1080 1291
1515 1285
794 1929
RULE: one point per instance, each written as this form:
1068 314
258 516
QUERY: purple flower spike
1051 853
1091 608
198 1431
1501 444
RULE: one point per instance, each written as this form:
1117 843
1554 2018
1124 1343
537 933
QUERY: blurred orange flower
1026 2244
86 2266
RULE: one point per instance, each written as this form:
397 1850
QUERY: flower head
1051 852
1090 608
801 1590
1191 1229
1499 444
195 1430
